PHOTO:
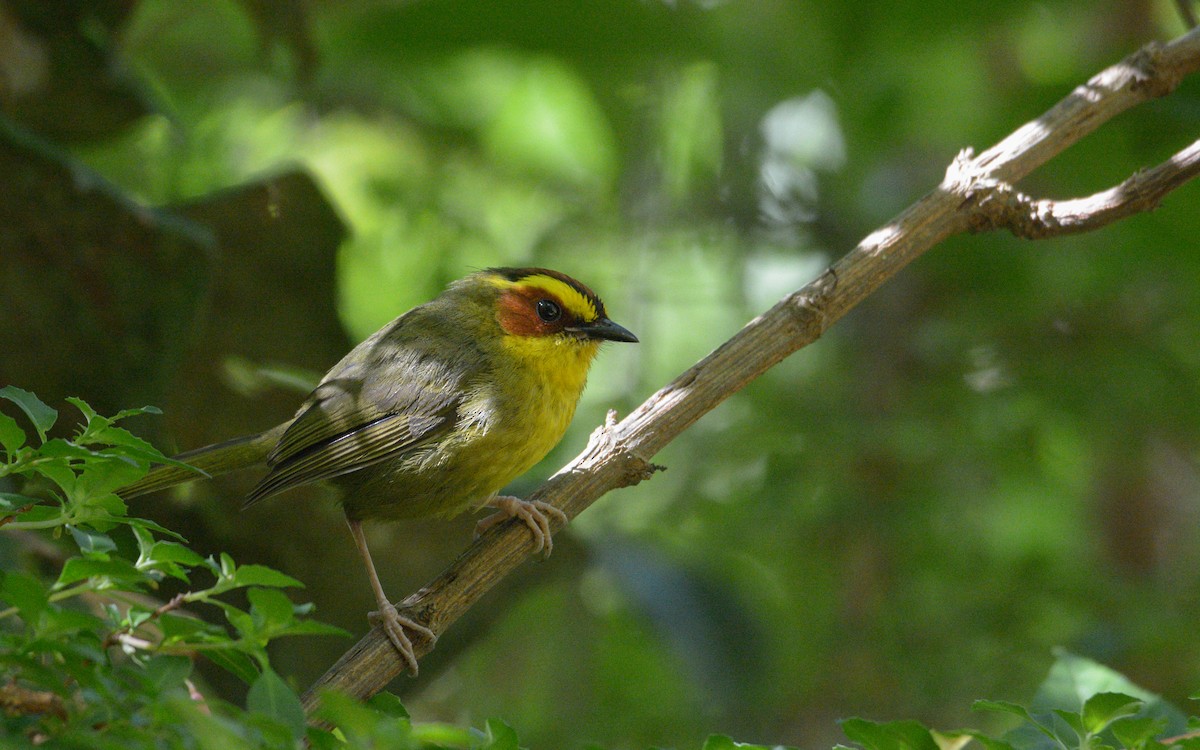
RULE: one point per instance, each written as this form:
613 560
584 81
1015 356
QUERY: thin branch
619 454
1001 206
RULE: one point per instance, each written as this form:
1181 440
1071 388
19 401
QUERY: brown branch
619 454
17 700
1001 206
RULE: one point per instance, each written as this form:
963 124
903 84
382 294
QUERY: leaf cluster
97 657
1081 706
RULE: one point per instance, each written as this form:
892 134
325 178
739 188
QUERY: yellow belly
505 426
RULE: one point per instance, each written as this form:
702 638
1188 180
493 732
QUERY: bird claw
533 512
393 624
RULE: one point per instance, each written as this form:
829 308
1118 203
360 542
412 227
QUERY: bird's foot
393 624
533 512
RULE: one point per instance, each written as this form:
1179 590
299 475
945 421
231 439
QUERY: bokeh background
204 204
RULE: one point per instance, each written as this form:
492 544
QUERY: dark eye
548 310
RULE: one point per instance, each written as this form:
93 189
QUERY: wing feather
355 419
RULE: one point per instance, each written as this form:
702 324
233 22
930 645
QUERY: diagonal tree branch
619 454
1001 206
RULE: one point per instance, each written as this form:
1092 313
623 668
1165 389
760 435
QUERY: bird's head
543 304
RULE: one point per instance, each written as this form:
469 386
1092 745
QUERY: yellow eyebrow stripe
577 304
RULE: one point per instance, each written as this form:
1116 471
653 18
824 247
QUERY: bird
433 414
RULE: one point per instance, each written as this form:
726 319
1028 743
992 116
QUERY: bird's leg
532 512
392 622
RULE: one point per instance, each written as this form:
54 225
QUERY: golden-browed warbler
434 413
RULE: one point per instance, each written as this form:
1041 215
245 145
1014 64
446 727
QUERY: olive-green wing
345 428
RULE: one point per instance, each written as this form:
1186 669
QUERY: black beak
603 328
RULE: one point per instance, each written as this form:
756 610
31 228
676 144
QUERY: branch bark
1001 206
619 453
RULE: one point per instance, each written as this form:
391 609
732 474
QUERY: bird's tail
212 460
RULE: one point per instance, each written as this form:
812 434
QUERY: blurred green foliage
993 456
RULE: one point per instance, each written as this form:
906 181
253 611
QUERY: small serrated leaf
42 416
84 408
59 448
142 523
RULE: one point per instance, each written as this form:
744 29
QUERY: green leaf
1103 709
989 743
169 558
92 541
40 514
1074 680
42 416
142 523
60 473
173 552
271 607
353 719
388 703
438 734
237 663
323 739
1073 720
10 501
892 735
241 621
105 474
270 695
12 437
136 411
261 575
165 672
1018 738
1006 707
24 592
1134 732
116 569
59 448
498 736
89 414
181 628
